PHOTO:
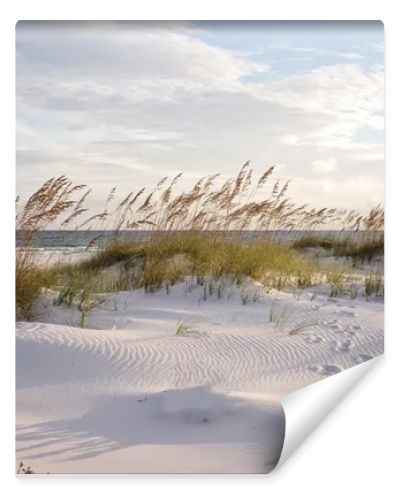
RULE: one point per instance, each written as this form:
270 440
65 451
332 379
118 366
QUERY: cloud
97 54
313 52
352 191
127 104
324 166
339 99
338 91
290 139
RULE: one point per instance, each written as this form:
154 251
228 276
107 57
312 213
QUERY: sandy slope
127 394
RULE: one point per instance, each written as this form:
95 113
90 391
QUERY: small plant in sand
77 292
245 296
336 279
71 289
304 276
256 295
182 327
353 291
211 287
279 314
373 285
301 327
84 306
24 469
221 289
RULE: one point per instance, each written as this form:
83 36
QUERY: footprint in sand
342 345
314 339
360 358
348 313
326 369
334 325
353 333
355 327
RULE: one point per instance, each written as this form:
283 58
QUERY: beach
179 380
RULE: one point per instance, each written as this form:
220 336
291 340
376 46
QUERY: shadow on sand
187 416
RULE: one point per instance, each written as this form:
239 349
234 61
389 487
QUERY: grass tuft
363 248
373 285
182 328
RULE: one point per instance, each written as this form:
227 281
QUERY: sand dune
128 394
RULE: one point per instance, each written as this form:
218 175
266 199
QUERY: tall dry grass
53 202
201 231
244 202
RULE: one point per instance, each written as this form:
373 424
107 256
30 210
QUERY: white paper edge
306 408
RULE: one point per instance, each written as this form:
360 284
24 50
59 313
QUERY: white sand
59 255
126 394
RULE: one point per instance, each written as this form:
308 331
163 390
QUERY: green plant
72 285
84 306
365 247
279 315
199 232
221 289
353 291
336 280
301 327
304 275
182 327
256 295
373 284
47 205
30 280
245 296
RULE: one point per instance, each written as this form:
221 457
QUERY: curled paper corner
308 407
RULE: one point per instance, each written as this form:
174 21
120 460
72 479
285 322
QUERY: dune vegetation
215 233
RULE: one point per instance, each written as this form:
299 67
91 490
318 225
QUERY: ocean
55 239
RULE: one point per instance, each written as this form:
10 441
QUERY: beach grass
364 248
198 233
30 280
164 261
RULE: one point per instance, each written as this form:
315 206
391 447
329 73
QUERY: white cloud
338 90
352 191
324 166
143 54
316 51
133 104
290 139
339 99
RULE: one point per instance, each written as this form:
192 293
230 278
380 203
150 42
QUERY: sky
126 103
